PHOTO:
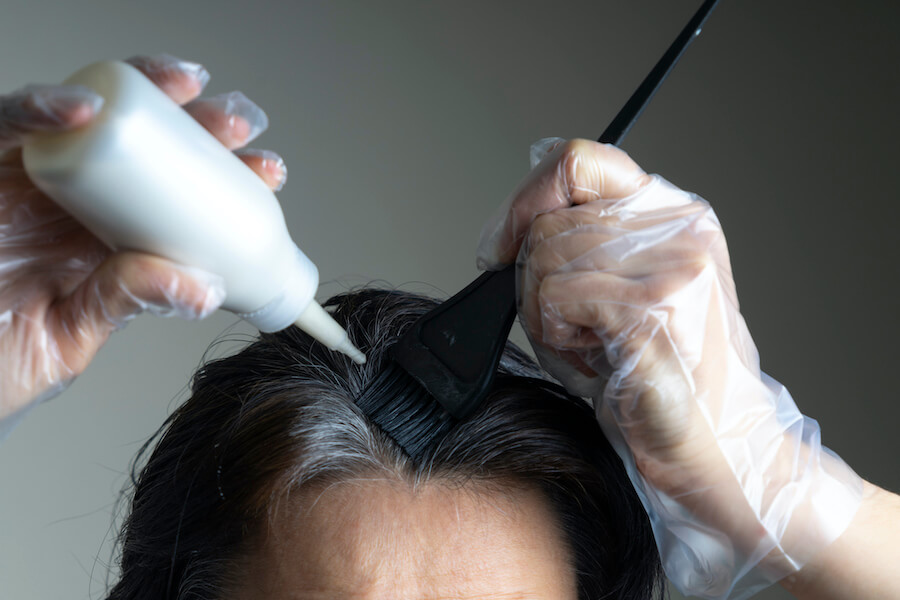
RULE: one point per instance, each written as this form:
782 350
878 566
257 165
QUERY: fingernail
542 148
58 101
215 296
283 179
215 292
268 157
212 300
237 104
198 71
164 62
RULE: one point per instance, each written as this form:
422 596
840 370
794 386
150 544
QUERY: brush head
442 367
405 411
453 350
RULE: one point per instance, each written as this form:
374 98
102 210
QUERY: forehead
379 539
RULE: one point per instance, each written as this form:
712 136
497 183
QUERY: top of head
280 417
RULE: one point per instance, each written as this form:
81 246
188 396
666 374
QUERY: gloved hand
62 292
626 293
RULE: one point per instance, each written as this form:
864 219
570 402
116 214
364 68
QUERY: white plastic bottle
144 175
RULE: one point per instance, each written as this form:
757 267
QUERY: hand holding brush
623 284
626 293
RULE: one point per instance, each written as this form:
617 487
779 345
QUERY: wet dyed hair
280 415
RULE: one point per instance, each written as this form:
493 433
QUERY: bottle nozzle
352 351
316 321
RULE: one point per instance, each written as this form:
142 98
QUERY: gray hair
280 416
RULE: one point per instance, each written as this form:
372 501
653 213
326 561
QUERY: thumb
122 287
566 174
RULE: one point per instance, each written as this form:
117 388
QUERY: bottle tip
352 351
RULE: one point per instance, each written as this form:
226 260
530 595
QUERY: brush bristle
404 410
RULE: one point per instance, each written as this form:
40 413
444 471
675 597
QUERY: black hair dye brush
443 366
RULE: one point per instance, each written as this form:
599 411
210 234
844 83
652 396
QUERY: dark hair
281 414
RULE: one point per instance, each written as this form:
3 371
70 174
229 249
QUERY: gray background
405 124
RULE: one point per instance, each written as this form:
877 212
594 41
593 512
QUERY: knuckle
582 171
134 271
541 260
577 148
639 292
554 330
570 158
663 286
544 226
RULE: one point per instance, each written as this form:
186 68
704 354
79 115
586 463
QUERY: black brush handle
621 124
456 362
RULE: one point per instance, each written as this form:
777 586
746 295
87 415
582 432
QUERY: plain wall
404 125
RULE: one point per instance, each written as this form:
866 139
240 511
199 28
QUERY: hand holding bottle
62 291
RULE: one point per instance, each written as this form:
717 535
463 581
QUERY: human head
276 423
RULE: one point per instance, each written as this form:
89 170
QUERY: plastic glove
626 293
62 292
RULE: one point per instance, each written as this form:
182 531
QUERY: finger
125 285
232 118
615 314
182 80
572 251
575 373
576 172
601 249
625 313
661 217
267 164
612 307
558 222
549 244
45 108
642 364
541 148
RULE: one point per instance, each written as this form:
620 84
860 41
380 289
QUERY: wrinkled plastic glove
62 292
626 293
